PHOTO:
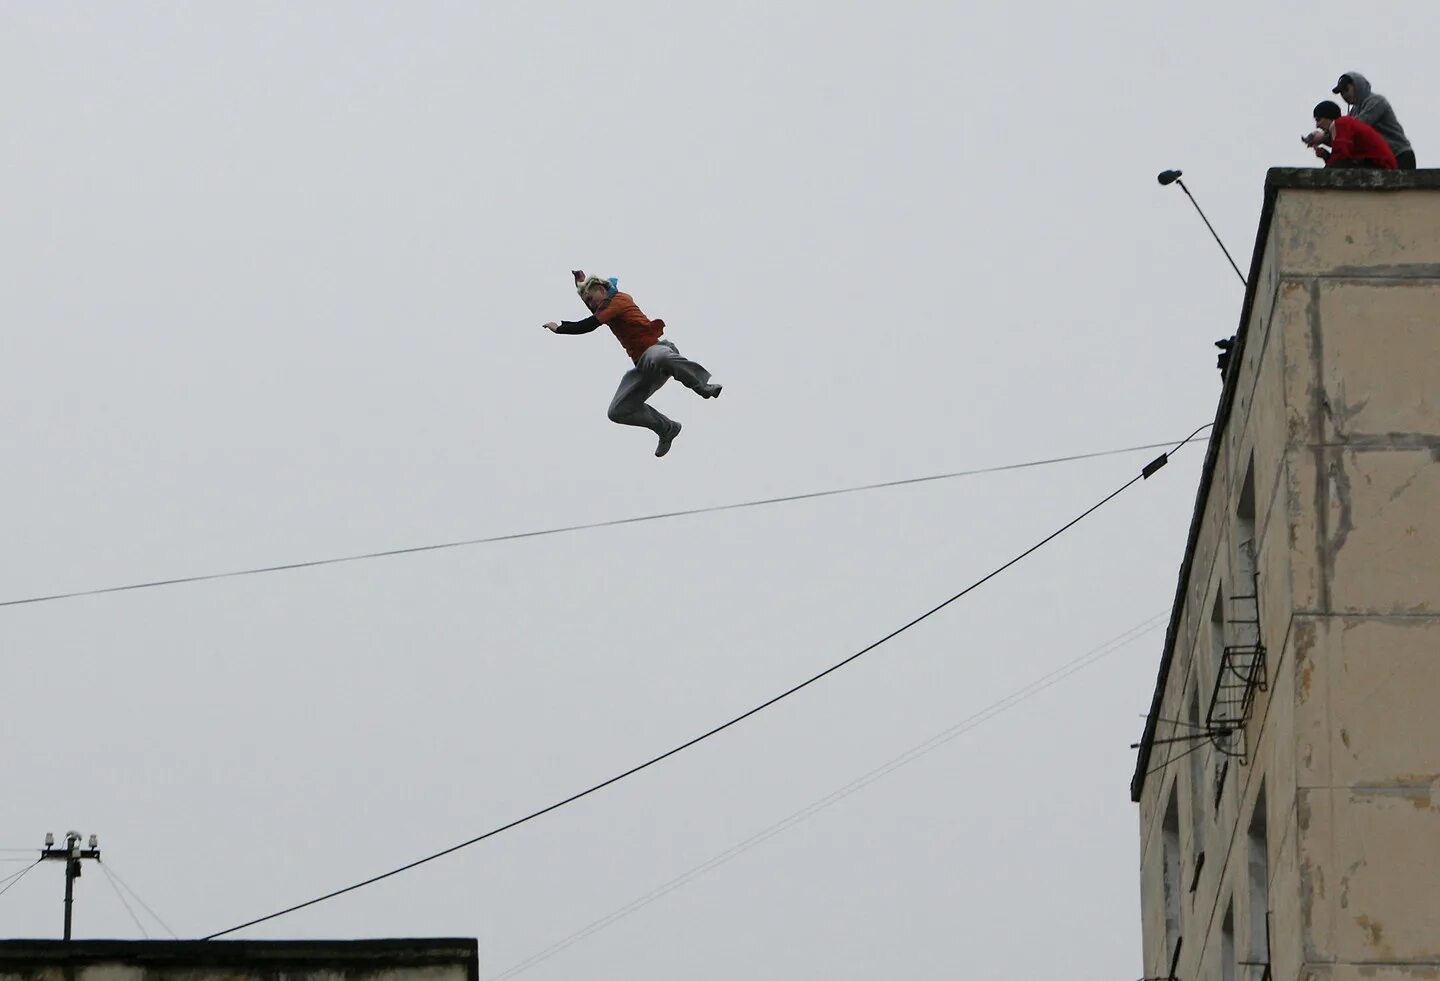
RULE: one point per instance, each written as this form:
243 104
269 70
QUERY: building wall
1332 412
242 960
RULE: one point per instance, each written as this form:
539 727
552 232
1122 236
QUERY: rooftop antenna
1173 177
70 853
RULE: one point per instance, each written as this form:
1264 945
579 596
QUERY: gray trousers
660 362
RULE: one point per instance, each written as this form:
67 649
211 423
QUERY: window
1217 627
1217 647
1257 920
1247 557
1170 872
1198 787
1227 944
1246 546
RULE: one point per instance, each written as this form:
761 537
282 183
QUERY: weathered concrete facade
1313 852
239 960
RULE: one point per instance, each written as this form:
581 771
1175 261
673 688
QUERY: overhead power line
136 896
1090 658
1148 471
124 902
564 529
10 880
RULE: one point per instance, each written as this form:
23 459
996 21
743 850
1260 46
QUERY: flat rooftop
241 957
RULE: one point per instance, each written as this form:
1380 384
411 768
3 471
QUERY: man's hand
1322 153
579 275
552 326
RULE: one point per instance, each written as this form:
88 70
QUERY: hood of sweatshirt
1362 88
1370 107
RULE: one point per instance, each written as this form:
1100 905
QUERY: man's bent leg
628 407
675 365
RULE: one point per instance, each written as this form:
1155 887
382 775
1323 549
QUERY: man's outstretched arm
573 326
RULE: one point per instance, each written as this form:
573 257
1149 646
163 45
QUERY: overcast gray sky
274 280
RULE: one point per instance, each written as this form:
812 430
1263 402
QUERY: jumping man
656 360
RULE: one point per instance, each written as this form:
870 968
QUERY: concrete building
239 960
1289 773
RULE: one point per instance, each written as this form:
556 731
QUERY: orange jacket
631 327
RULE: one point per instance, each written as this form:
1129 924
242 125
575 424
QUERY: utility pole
71 855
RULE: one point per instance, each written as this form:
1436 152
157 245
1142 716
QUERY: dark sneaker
711 391
663 446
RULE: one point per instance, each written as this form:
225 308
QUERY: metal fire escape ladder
1240 674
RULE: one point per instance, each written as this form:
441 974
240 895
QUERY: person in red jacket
656 360
1352 143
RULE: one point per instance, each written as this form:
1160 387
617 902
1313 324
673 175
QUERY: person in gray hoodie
1370 107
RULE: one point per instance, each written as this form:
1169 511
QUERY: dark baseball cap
1341 84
